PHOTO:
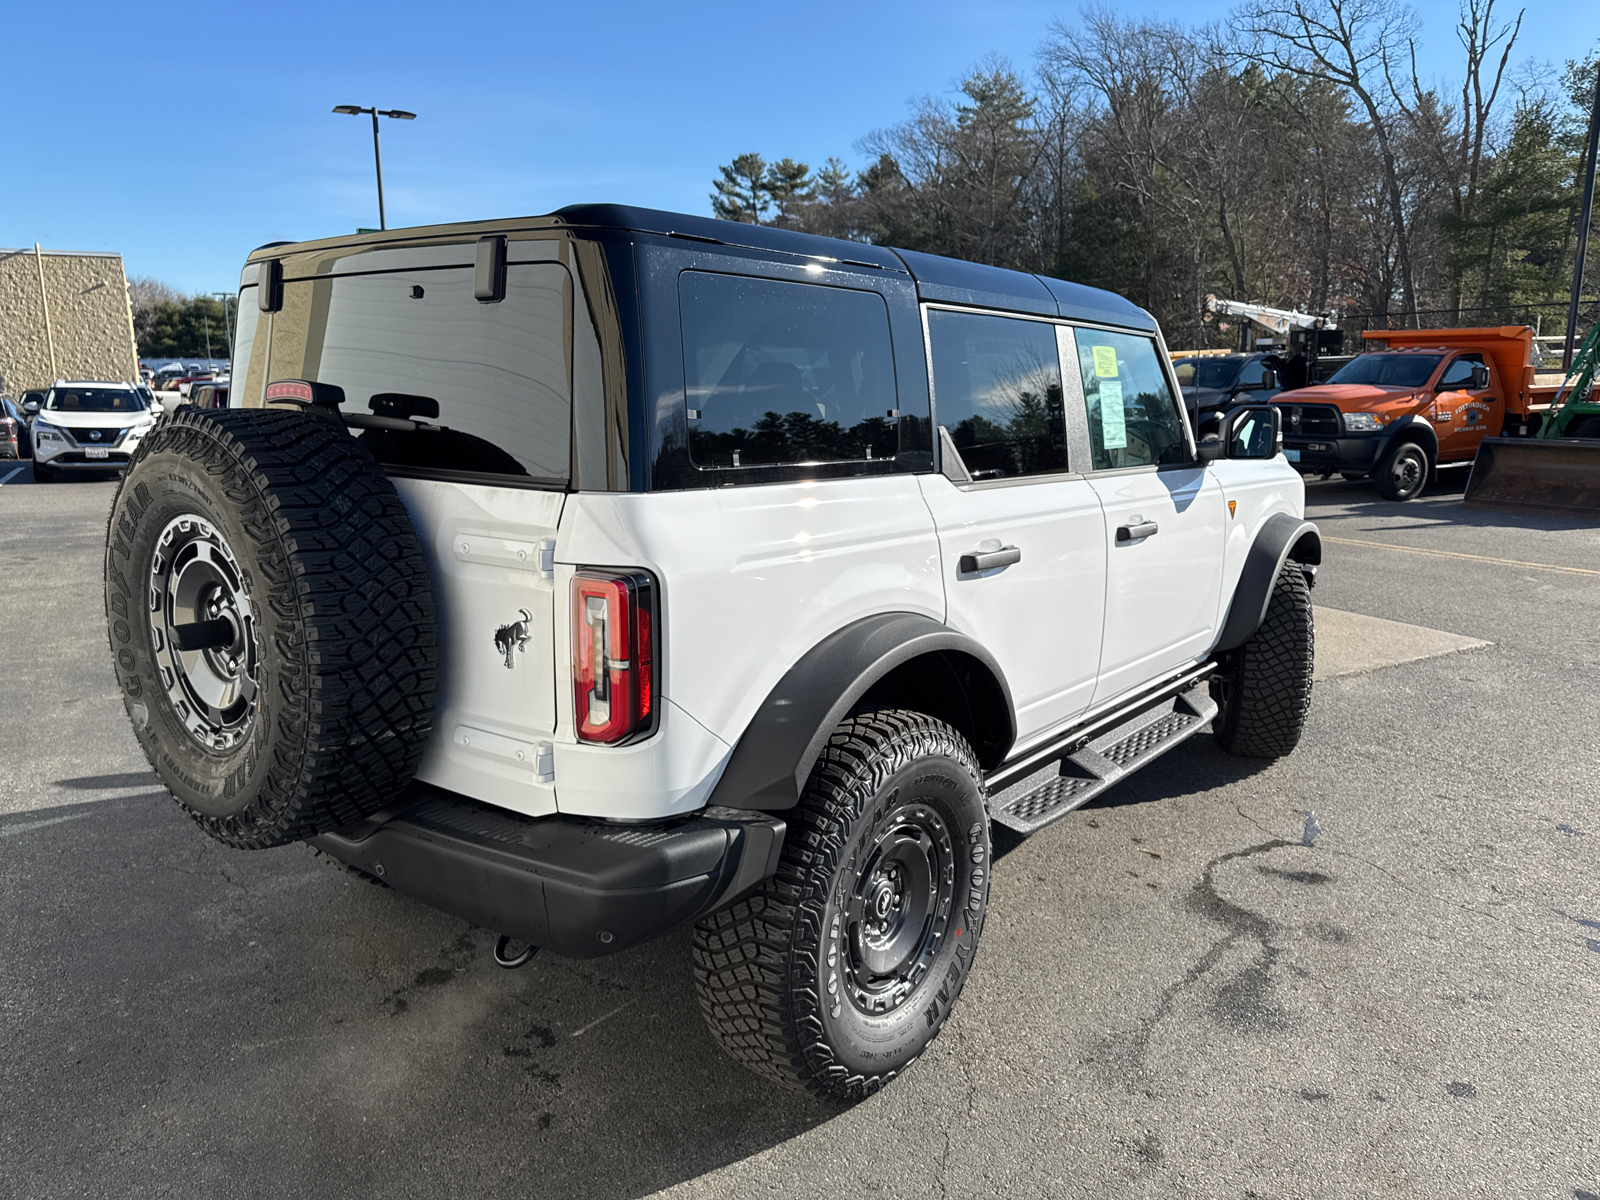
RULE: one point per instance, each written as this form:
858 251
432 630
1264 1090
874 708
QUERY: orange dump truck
1416 400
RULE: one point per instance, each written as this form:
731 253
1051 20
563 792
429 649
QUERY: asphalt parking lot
1370 969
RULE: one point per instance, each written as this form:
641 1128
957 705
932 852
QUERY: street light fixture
399 114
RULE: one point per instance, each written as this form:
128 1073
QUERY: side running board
1056 789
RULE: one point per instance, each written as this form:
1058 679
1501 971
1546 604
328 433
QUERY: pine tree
741 193
787 184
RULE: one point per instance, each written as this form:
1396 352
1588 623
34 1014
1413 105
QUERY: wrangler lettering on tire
272 623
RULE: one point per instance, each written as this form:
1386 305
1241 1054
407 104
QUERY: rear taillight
613 655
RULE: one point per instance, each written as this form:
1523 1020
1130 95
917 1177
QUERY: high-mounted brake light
613 655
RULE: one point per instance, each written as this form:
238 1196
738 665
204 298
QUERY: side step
1055 790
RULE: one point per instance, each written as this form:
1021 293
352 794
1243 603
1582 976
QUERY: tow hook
512 962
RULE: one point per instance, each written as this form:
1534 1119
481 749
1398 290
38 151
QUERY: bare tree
1355 44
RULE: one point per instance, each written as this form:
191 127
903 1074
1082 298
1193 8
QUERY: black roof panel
732 233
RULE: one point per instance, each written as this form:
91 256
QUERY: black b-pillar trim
775 755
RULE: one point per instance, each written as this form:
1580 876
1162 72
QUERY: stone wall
90 321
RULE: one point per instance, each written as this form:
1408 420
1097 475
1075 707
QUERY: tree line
169 324
1294 157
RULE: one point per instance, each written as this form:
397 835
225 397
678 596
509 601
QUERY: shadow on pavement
185 1019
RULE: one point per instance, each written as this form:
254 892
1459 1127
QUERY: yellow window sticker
1105 362
1113 424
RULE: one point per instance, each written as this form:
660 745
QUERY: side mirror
1252 431
1480 377
1269 379
1210 448
31 407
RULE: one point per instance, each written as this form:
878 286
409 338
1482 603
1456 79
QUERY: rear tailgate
491 551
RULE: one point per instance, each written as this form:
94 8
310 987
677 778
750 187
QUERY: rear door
1165 515
1020 534
475 404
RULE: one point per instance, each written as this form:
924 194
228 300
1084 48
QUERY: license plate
96 452
1292 455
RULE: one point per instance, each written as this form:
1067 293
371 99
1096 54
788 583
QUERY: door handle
1144 529
988 560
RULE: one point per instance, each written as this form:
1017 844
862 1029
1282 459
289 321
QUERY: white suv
88 426
591 574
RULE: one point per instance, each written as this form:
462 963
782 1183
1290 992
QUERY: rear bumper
579 887
1321 455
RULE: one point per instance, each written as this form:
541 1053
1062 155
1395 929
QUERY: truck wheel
839 971
271 620
1404 473
1264 688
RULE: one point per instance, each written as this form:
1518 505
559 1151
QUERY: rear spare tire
271 620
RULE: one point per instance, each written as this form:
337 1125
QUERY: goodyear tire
1264 688
271 621
837 974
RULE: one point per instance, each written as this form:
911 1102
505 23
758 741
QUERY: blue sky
184 135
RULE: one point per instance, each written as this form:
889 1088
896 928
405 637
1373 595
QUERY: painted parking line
1503 562
11 474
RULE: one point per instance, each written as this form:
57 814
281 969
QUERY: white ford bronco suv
590 574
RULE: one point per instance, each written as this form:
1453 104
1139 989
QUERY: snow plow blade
1559 476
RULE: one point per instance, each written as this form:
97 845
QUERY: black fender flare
1279 537
775 754
1409 428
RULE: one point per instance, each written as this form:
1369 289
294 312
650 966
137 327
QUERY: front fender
1413 427
1280 536
774 756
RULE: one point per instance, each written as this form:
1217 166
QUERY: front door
1020 536
1464 415
1165 515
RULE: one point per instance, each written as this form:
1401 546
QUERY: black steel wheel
1404 473
837 974
271 622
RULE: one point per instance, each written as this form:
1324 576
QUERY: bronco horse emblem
508 639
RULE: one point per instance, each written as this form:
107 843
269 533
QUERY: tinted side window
1459 373
1254 375
490 383
1133 420
997 390
779 372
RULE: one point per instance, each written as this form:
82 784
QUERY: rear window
997 392
489 383
783 373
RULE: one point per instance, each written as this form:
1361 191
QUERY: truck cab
1420 400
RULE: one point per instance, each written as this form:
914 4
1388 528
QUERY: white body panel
1163 592
1259 490
493 726
750 579
1041 617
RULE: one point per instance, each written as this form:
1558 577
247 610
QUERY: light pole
353 110
226 320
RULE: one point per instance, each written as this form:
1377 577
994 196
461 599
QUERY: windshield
1210 372
1388 370
96 400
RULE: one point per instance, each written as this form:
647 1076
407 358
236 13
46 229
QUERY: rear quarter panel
750 579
